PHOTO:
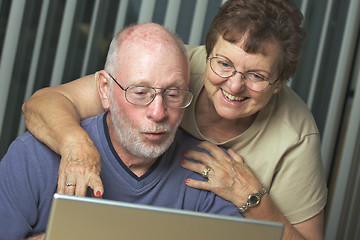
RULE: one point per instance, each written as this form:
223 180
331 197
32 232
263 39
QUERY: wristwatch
253 200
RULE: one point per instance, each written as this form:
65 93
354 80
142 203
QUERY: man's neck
138 165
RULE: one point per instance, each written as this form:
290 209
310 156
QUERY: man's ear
103 86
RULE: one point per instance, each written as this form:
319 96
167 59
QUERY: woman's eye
225 65
256 76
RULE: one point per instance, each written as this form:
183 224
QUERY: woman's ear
103 87
279 85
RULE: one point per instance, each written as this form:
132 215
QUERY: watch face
254 200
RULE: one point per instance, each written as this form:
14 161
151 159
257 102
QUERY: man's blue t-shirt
29 173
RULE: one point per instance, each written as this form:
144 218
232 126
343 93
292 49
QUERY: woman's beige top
282 147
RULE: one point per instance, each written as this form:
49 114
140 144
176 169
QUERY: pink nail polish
98 193
187 180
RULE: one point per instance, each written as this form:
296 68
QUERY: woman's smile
230 97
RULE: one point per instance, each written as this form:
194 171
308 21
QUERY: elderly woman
273 170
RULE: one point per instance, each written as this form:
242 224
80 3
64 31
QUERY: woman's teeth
231 97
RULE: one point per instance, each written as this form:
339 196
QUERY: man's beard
130 136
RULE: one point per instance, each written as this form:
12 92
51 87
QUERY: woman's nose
236 83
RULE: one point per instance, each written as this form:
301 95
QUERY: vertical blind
46 43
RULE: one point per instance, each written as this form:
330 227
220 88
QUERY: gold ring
69 184
205 173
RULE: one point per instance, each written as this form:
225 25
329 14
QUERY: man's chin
150 153
155 150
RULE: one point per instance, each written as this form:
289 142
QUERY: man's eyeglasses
142 95
253 80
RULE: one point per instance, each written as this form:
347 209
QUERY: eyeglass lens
174 98
224 68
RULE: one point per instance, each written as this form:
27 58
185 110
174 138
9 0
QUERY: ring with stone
205 173
69 184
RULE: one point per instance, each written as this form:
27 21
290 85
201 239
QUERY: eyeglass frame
233 73
156 92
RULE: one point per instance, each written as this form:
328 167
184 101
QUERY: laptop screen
89 218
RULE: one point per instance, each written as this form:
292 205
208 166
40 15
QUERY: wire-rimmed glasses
252 80
143 95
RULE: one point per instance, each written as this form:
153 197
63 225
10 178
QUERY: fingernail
182 162
185 152
187 180
98 193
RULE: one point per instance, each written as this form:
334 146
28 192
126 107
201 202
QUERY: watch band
253 200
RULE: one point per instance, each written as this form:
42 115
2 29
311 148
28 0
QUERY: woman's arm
232 179
53 116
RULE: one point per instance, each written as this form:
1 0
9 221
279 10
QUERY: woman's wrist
77 137
253 200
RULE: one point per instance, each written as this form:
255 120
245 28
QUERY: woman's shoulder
292 112
197 58
194 51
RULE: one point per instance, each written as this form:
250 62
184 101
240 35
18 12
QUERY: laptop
77 218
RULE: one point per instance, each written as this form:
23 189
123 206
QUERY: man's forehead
158 82
152 75
143 62
145 59
150 36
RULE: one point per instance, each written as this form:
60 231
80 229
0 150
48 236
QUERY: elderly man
145 89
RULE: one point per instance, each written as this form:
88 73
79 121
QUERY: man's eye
139 92
172 93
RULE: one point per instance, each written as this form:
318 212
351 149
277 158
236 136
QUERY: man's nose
157 109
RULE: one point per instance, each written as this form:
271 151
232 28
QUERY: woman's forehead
236 53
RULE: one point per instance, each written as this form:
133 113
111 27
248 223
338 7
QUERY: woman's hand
79 169
53 116
229 177
37 237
